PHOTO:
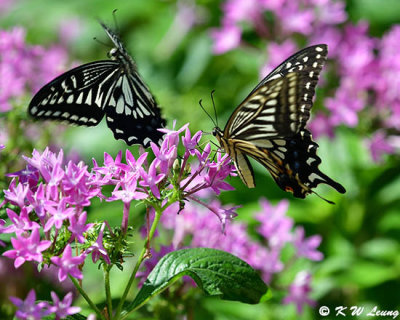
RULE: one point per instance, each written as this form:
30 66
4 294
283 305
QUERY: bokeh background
186 49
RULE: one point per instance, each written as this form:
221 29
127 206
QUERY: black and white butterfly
113 88
269 126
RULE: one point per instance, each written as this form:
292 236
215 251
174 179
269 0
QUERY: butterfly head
113 54
217 132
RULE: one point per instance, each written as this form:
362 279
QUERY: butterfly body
112 88
269 126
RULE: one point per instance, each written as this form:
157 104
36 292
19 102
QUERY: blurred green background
360 233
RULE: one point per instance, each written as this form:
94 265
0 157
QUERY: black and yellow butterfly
269 126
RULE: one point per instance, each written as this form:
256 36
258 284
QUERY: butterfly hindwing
129 98
292 162
113 87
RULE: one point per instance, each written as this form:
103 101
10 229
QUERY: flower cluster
30 309
24 67
366 70
194 228
46 201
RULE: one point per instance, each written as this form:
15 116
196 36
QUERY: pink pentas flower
387 88
330 36
151 179
296 19
27 248
20 223
128 193
321 125
165 155
241 10
218 172
331 13
299 291
45 163
357 52
132 165
227 215
276 53
272 5
204 154
307 247
97 248
29 175
62 308
111 167
191 143
380 145
267 260
53 180
172 136
75 177
28 309
37 201
226 38
16 193
68 265
275 226
58 213
345 105
78 226
78 186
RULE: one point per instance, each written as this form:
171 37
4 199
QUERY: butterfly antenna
115 21
215 109
102 43
329 201
201 106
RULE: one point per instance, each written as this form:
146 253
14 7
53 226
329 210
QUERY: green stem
139 261
106 272
86 297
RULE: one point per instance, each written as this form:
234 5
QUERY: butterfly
269 126
113 88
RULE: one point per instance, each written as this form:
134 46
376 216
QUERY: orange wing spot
289 189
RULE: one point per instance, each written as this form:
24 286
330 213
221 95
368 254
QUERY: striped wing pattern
269 126
292 162
83 95
76 96
280 105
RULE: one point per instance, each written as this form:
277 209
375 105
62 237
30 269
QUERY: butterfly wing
280 104
77 96
132 113
292 162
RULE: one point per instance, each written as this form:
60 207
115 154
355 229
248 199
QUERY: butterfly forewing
77 96
84 94
280 104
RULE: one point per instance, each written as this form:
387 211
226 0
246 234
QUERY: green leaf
216 272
